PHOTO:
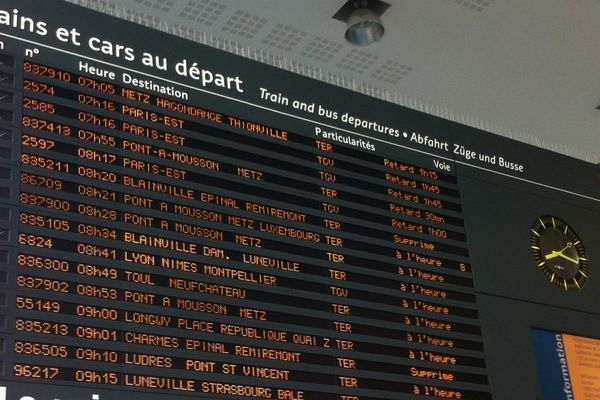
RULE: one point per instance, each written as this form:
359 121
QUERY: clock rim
582 274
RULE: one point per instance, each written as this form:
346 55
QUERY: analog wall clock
559 252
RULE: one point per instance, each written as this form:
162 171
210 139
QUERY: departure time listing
163 246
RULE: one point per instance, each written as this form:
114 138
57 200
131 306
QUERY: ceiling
527 69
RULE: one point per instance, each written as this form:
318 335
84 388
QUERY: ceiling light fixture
363 23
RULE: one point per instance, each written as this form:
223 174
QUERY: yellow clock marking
559 253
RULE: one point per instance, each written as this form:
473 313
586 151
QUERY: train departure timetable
179 223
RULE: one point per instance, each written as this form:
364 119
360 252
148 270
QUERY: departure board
178 222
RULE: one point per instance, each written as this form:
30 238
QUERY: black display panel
179 222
